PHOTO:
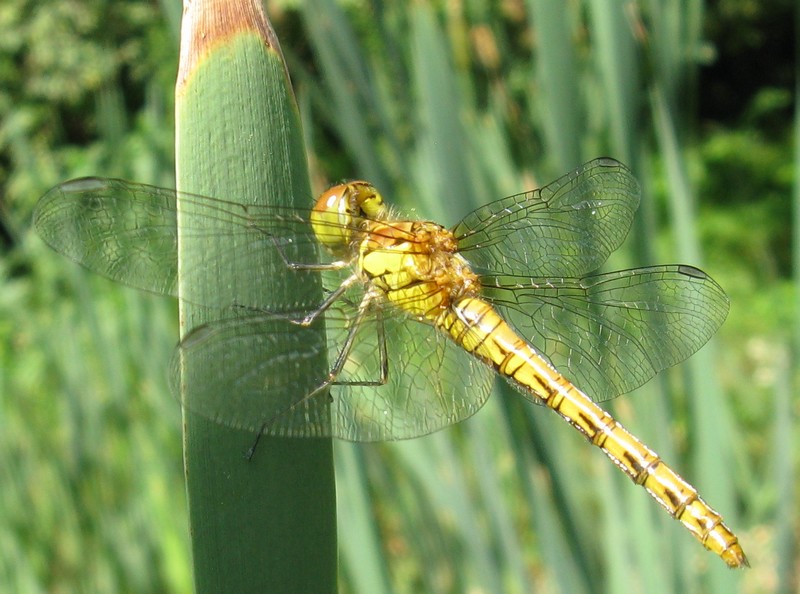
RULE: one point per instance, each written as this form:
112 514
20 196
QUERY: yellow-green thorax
416 265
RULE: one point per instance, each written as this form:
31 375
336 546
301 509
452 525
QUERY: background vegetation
444 106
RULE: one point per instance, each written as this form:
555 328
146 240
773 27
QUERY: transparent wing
126 232
129 232
255 371
610 333
263 372
567 228
430 382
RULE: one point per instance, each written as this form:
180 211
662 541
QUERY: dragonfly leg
313 394
344 352
309 318
383 354
319 267
337 367
329 300
383 379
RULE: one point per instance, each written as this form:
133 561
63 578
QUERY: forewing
126 232
129 232
567 228
610 333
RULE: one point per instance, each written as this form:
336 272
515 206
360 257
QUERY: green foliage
443 106
84 87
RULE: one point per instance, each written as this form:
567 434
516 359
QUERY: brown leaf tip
207 23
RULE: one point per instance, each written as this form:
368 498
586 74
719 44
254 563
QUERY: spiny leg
337 367
317 266
329 300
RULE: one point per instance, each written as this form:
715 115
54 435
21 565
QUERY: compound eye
340 209
331 217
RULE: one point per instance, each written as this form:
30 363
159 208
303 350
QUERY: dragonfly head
339 211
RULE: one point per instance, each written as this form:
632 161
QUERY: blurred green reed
444 106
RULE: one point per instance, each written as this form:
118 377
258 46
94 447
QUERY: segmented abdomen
473 324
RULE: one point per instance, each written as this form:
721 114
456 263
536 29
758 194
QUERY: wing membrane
257 372
128 232
431 383
610 333
250 372
568 227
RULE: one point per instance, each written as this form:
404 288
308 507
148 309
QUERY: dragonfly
415 320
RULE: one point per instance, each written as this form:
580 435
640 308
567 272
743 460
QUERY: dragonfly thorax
340 212
416 265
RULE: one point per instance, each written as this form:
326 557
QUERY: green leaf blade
265 524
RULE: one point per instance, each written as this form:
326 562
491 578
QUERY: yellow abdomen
474 325
416 267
